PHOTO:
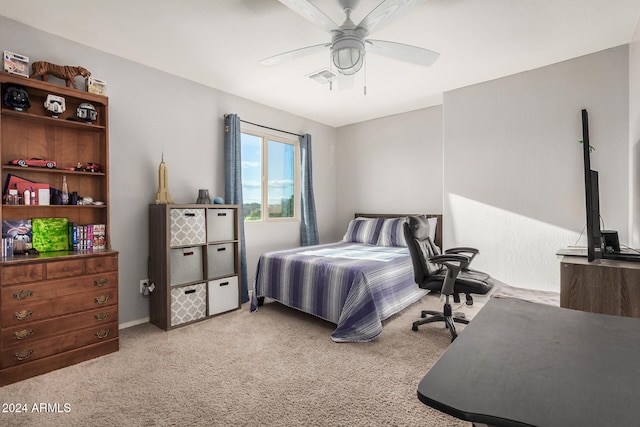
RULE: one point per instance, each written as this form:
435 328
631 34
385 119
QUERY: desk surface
520 364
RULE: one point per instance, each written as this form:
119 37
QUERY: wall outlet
143 283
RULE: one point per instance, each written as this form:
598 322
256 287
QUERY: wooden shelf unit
56 308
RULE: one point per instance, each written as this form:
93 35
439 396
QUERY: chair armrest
455 262
464 250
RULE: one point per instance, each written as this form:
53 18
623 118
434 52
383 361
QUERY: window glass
281 179
251 147
269 178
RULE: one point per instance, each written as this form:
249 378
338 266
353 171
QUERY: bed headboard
438 241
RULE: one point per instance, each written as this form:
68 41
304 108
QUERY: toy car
41 163
93 167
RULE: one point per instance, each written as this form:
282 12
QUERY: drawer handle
102 299
23 355
23 334
24 314
103 333
22 294
101 282
190 291
102 316
187 253
222 249
224 283
222 214
191 214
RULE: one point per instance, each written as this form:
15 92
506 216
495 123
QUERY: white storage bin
187 227
188 303
221 259
224 295
221 225
186 265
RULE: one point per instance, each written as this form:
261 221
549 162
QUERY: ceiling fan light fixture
347 54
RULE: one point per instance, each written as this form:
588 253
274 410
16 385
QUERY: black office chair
447 273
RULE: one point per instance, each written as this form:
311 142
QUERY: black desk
519 363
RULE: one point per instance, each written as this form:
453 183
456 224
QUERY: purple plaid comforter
353 285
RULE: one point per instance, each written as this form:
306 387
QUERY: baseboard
133 323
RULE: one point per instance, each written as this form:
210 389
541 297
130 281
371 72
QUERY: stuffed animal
65 72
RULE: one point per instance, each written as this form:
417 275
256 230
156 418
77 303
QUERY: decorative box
16 64
50 234
187 227
95 85
188 303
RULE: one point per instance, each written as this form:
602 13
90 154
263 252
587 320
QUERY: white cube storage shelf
194 262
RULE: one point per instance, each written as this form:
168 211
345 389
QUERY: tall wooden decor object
163 196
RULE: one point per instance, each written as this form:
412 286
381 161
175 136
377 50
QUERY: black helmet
17 97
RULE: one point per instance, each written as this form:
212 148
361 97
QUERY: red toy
41 163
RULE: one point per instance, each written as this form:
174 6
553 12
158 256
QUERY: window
270 160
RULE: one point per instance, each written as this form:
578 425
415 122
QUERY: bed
355 283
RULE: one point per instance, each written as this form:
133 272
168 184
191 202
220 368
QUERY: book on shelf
87 237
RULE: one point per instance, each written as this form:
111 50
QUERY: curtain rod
267 127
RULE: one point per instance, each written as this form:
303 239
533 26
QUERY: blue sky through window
280 170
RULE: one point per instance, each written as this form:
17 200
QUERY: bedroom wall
634 138
513 180
390 165
152 113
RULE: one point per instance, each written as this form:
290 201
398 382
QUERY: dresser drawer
21 273
60 269
40 310
58 325
101 263
15 295
23 353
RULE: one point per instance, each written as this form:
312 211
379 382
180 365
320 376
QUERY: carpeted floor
276 367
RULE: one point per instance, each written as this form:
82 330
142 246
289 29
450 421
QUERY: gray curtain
308 223
233 188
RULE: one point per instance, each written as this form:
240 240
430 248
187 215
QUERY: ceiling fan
349 42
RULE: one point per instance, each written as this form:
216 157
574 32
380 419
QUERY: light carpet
276 367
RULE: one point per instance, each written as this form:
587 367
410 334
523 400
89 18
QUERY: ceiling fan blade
312 13
385 12
288 56
402 52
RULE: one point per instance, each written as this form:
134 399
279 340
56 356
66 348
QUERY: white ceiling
218 43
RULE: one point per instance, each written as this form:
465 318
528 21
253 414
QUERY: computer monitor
592 196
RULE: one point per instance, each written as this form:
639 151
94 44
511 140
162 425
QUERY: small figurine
65 72
55 104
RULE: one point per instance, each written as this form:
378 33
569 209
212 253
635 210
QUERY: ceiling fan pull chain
331 79
365 74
